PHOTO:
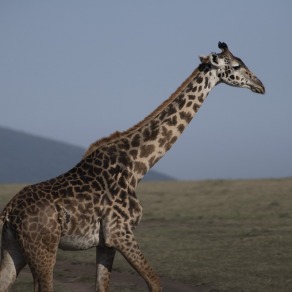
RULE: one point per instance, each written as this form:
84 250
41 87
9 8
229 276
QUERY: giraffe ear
215 60
204 59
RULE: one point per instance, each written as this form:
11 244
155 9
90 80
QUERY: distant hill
26 158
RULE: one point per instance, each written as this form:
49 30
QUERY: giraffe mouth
258 89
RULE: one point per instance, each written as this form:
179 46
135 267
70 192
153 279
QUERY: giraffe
94 204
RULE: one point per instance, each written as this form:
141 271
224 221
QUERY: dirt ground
74 281
215 235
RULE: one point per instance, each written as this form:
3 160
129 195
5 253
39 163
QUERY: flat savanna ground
216 235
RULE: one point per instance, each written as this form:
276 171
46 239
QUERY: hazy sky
77 71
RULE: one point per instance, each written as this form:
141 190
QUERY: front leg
128 247
104 263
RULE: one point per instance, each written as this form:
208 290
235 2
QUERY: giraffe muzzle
258 89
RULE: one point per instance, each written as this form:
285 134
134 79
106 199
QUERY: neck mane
148 140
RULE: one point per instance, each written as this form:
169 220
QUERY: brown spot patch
136 140
180 128
200 79
140 167
146 150
186 116
196 107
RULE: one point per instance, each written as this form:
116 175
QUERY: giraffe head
232 71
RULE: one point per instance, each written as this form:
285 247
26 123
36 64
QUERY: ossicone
222 46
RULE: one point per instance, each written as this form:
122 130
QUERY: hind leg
42 271
42 264
12 259
41 259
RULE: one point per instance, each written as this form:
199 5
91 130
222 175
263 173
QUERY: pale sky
76 71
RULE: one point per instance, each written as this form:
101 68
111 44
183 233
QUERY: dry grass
228 235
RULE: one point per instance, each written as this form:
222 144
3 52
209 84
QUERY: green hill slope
25 158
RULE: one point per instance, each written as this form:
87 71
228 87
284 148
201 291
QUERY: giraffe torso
96 190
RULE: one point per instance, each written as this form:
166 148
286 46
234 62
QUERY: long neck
151 138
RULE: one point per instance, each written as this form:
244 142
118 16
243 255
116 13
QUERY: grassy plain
225 235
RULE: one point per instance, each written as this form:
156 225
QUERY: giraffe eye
236 67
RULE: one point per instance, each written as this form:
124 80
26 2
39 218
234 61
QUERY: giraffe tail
2 220
8 272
